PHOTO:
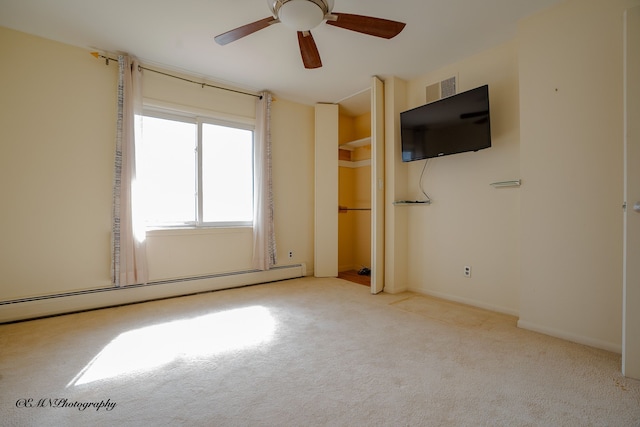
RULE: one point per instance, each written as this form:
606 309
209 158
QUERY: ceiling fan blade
309 50
245 30
367 25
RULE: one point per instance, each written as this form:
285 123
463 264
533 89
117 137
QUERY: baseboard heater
68 302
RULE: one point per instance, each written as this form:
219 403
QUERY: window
195 171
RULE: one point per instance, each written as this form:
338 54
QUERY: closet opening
354 189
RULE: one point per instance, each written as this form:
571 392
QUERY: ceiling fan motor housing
300 15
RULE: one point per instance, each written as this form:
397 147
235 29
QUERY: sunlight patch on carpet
152 347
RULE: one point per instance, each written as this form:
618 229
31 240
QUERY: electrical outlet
290 254
467 271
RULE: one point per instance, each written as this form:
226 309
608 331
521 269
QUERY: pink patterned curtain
128 249
264 241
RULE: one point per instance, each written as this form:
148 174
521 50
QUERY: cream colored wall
292 138
396 188
571 156
57 132
56 161
157 88
469 222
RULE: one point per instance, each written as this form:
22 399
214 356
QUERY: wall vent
442 89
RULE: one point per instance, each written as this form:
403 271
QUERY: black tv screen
451 125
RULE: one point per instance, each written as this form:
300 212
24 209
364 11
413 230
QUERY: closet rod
344 209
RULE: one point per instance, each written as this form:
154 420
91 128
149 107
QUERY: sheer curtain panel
264 242
128 249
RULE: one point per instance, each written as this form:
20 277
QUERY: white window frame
199 119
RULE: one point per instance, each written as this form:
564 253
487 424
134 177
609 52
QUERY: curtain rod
140 67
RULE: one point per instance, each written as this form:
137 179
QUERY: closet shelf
352 145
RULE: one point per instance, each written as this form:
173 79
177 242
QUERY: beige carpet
304 352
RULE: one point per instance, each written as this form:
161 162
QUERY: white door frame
377 185
631 267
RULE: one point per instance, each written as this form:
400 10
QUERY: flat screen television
456 124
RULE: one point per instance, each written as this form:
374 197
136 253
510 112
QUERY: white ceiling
178 35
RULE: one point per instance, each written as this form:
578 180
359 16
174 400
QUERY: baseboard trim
48 305
467 301
579 339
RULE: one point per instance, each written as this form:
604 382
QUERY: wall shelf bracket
513 183
411 202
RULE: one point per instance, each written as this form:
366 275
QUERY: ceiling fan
303 16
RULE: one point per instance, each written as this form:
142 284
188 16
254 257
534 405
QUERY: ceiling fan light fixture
305 15
301 15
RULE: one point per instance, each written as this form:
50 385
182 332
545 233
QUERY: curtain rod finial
95 54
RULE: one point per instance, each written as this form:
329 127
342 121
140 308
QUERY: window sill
204 230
